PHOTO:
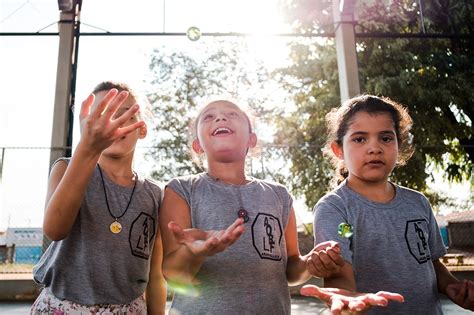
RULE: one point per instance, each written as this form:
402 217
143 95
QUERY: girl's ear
197 147
337 150
252 140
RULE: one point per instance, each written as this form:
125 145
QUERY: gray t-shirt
392 247
249 277
94 266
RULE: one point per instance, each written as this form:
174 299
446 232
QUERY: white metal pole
343 13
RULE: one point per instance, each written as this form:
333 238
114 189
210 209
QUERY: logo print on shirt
142 233
416 233
266 236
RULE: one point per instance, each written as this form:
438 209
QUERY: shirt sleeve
178 185
435 242
328 214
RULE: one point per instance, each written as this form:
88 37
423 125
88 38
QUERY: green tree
182 81
433 77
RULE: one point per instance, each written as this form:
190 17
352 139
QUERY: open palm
207 242
347 302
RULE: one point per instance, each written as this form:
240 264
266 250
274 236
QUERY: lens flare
183 288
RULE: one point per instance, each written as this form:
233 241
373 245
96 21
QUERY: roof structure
460 216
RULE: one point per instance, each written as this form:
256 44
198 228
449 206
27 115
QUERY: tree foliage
432 77
182 81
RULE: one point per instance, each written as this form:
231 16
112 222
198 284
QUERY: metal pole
2 157
343 13
65 82
63 117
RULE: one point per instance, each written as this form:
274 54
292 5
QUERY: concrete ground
300 306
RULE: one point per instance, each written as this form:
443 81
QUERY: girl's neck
382 192
118 170
231 173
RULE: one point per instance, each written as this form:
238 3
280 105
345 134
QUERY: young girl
396 243
229 240
102 218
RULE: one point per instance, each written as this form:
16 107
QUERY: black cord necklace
115 227
241 213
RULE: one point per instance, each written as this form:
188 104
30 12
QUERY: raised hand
347 302
462 293
99 126
324 259
207 243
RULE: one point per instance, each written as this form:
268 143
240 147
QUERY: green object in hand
345 230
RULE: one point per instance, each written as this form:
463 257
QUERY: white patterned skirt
48 304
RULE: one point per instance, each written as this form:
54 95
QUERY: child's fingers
335 256
326 245
235 224
328 262
176 229
234 230
127 129
211 246
86 106
356 305
337 305
102 105
391 296
231 236
315 268
120 121
114 103
312 290
374 299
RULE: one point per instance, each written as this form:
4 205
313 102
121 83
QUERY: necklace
241 213
115 227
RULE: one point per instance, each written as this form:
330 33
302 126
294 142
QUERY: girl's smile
222 131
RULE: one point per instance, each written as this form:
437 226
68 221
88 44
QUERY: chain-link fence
23 181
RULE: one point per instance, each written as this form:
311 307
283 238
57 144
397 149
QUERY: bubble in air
193 33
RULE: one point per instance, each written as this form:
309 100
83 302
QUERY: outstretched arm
67 183
460 292
156 289
323 260
343 279
184 247
343 301
341 296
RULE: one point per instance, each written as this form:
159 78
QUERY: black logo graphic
266 236
416 232
141 236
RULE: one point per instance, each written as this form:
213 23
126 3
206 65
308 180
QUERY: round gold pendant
115 227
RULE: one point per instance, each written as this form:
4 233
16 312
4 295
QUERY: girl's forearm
66 198
181 265
296 271
444 276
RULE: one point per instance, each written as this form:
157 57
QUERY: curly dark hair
339 119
